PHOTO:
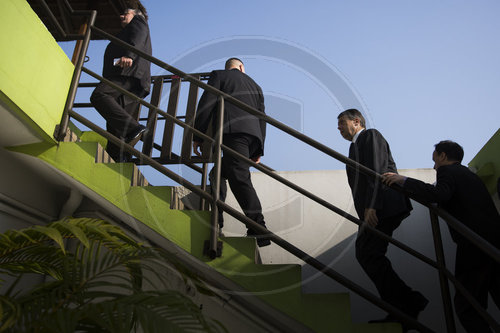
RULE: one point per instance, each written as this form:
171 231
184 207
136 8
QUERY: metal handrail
450 220
443 281
328 271
274 175
265 169
212 249
205 195
60 130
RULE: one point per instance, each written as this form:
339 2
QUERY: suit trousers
237 173
371 254
118 110
480 275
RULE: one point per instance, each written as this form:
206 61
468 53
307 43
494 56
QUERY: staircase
82 157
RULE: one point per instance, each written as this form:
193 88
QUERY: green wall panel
487 162
35 73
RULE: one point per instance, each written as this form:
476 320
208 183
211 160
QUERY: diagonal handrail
328 271
220 204
267 171
450 220
274 175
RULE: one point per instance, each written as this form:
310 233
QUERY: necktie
352 151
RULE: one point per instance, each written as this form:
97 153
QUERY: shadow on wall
415 231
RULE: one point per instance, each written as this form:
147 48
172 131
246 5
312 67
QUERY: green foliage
95 279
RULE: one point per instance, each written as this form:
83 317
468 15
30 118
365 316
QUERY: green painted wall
35 73
487 162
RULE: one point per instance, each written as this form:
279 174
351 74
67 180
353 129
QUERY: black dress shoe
417 305
136 135
262 240
390 319
386 319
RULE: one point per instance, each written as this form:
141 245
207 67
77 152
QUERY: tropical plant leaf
52 233
8 312
97 282
76 231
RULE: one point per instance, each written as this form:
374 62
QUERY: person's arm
206 107
263 124
442 191
376 157
390 178
137 31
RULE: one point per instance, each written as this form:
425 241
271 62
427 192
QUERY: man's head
127 16
447 152
235 63
350 122
133 8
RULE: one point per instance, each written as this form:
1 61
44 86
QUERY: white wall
330 238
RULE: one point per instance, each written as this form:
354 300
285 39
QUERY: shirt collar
355 137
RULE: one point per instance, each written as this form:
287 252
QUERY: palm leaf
53 234
97 284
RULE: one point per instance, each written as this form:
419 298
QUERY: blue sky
422 71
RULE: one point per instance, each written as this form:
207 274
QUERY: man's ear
442 156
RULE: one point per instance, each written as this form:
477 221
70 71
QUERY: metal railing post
204 175
60 130
213 251
441 266
212 245
328 271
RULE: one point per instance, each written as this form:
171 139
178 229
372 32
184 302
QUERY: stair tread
320 311
279 285
376 328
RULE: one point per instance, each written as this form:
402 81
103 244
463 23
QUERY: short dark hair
352 114
137 7
453 151
230 61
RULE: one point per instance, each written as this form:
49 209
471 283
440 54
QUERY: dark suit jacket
242 87
136 33
460 192
372 151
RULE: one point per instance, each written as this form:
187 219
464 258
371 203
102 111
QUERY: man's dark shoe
417 305
389 319
386 319
262 240
135 136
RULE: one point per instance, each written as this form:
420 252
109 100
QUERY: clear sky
421 71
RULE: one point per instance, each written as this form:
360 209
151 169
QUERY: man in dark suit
459 191
130 72
243 132
380 207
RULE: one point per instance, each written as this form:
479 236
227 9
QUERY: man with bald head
242 132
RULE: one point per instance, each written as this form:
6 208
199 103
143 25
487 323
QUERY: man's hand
371 217
390 178
197 148
256 159
125 62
